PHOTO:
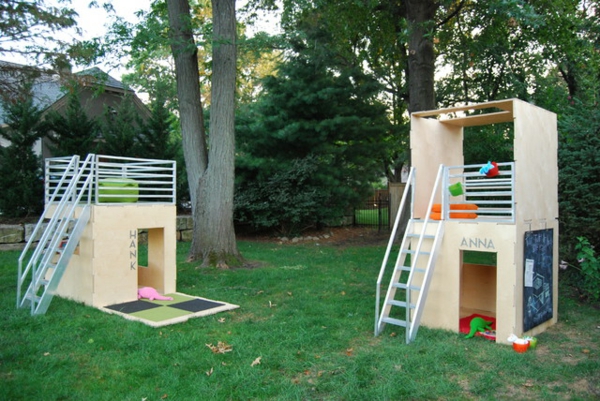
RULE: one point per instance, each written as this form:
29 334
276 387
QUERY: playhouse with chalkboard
482 239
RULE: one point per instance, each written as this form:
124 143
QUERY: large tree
210 169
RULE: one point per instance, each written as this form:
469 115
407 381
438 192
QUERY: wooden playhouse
89 236
509 218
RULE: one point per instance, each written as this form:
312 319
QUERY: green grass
308 314
371 217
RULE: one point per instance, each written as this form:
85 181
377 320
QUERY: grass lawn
304 331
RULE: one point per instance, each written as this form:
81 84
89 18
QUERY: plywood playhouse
108 234
505 214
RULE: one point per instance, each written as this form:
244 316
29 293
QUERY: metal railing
494 197
407 196
117 180
67 193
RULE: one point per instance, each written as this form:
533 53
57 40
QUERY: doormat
162 313
465 326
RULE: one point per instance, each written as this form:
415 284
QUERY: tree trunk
421 57
214 235
210 175
191 117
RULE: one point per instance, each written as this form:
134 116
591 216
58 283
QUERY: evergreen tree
120 129
73 132
21 182
579 177
156 135
314 120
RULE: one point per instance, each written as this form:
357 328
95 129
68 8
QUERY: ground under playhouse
98 213
507 211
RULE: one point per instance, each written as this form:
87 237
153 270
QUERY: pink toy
151 294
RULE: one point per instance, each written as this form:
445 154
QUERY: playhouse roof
487 113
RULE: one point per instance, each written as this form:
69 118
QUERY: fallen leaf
271 304
220 348
528 383
350 351
221 320
343 292
256 361
223 364
290 293
46 353
210 372
164 396
585 351
393 334
260 292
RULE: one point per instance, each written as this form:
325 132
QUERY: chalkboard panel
537 278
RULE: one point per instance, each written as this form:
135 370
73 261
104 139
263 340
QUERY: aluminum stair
41 269
406 294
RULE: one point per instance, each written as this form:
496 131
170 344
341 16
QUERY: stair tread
414 235
407 269
411 252
393 321
401 304
403 286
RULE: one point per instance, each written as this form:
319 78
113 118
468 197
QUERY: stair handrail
410 183
71 200
57 219
72 166
416 254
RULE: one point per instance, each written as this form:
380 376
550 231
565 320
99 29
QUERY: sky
94 22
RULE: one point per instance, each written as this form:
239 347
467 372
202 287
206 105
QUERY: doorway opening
478 278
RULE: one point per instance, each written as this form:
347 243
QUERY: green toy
478 324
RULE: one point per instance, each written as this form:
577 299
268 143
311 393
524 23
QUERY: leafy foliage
590 269
21 181
579 176
288 200
28 28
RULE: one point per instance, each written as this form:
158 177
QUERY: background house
98 90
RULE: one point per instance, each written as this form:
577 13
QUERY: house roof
48 86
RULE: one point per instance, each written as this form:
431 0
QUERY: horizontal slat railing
494 196
118 180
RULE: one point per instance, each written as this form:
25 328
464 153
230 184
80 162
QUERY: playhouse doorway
478 278
147 254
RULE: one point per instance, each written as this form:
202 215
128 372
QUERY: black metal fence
375 211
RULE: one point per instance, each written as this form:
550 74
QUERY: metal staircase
413 269
59 230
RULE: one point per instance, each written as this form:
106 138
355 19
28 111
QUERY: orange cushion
463 215
437 207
